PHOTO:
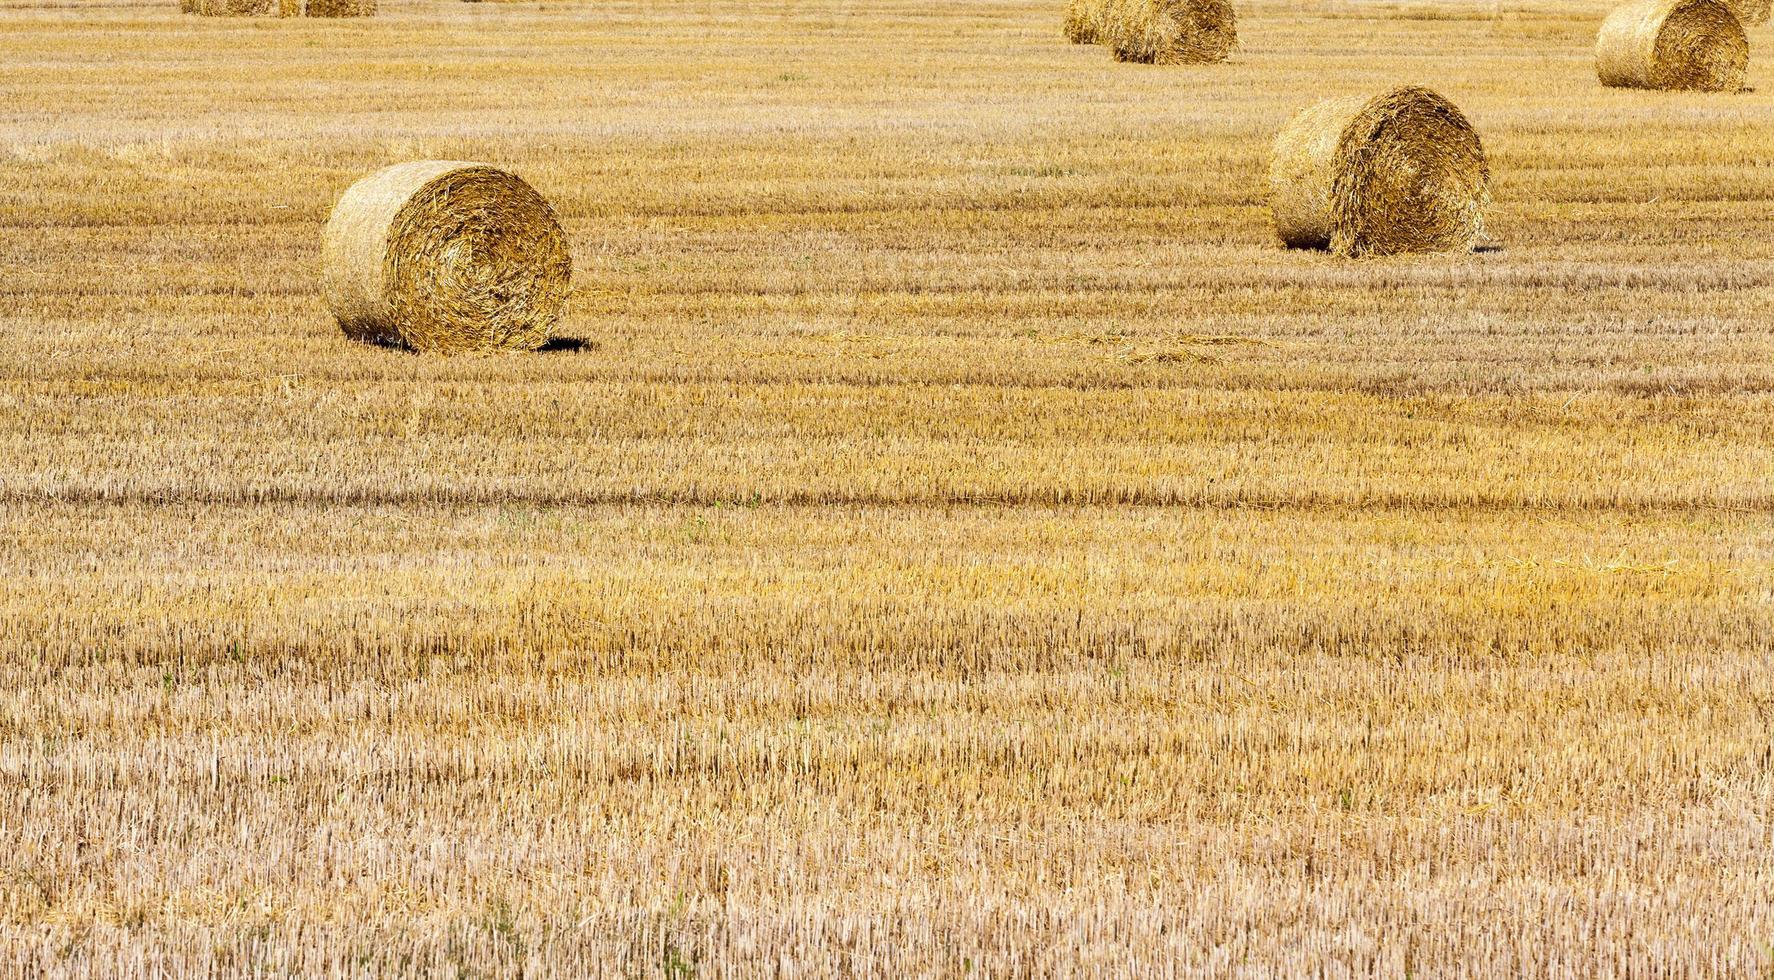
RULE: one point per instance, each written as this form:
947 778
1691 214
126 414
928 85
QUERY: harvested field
951 531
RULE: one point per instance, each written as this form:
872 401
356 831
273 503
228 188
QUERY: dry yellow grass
966 538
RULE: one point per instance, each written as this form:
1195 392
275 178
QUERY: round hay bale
1399 172
1672 44
228 8
1170 32
341 8
445 256
280 8
1084 21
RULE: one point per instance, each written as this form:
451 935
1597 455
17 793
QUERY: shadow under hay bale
446 256
1400 172
1695 45
1170 32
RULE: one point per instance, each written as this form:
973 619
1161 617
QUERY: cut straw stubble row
454 257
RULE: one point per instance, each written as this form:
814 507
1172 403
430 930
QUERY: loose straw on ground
1400 172
446 256
1672 44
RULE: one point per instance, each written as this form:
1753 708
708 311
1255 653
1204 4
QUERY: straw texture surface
446 256
1083 22
1399 172
1672 44
1170 32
